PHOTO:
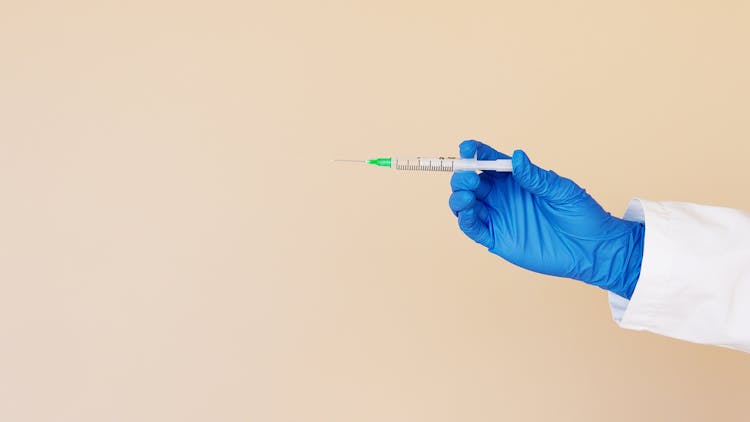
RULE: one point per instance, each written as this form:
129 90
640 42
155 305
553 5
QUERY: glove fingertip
464 180
461 200
468 148
520 160
466 219
473 227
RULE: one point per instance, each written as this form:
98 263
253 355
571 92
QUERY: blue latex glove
545 223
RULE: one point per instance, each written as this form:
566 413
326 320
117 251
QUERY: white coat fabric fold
695 275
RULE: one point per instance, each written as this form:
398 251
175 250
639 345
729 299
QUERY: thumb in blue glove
546 223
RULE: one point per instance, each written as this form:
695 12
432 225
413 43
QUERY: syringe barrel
471 164
448 164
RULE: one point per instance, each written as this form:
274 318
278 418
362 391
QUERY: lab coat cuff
647 309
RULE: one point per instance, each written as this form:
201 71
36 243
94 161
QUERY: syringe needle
350 161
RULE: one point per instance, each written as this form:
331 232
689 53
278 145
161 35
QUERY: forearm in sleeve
694 283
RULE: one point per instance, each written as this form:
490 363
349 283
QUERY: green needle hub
382 162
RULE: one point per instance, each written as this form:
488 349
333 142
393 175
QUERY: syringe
438 164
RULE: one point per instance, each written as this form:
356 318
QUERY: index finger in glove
468 180
464 180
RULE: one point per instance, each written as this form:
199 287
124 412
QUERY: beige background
152 269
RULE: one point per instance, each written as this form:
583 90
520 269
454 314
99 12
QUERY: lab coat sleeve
695 275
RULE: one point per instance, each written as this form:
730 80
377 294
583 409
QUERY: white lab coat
695 275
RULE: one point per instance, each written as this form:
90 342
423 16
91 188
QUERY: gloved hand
545 223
